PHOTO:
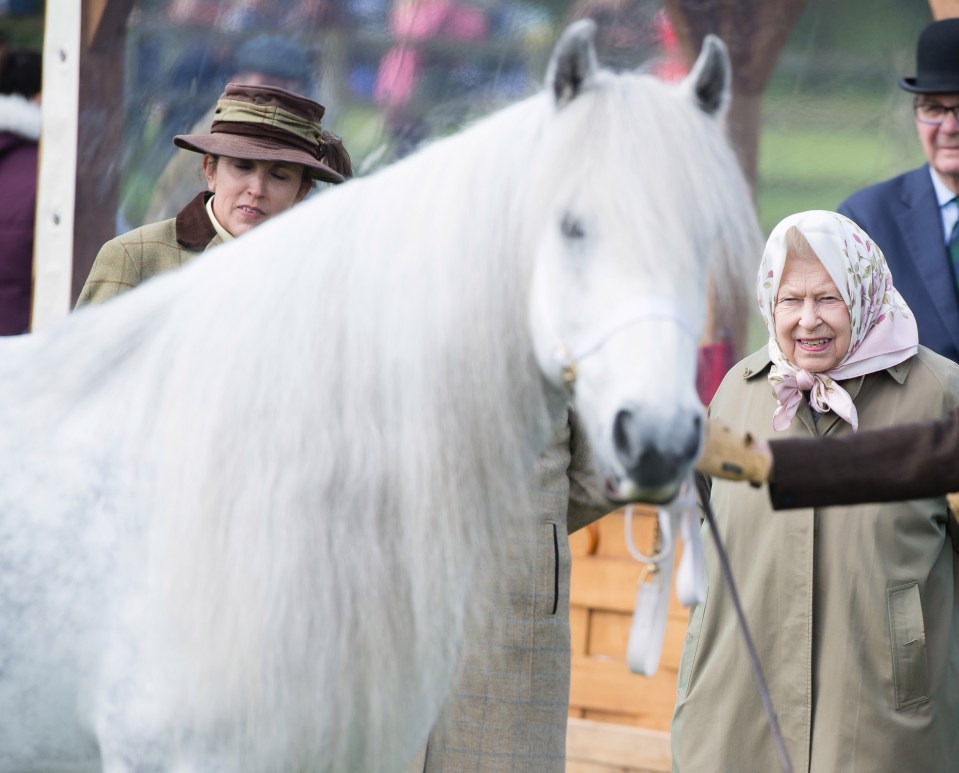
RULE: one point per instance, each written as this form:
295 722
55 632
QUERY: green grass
813 153
809 162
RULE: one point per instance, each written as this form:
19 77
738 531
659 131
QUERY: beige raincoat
854 610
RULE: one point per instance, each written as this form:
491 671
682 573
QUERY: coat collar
758 364
194 231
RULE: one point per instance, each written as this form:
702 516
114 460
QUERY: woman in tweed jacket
264 151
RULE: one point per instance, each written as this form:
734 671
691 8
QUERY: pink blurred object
413 21
671 66
715 360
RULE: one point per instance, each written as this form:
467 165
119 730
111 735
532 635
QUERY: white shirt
224 234
948 208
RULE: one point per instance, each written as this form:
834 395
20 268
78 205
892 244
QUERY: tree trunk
755 32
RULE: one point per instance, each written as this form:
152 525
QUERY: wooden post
100 125
53 262
79 177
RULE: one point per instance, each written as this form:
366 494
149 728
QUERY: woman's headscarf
884 330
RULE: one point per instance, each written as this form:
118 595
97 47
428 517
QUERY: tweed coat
854 610
508 710
133 257
902 217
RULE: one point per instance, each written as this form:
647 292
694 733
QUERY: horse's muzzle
656 452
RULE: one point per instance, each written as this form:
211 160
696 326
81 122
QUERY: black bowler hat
937 60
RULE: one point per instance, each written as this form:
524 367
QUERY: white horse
244 509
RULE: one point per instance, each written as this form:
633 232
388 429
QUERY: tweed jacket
902 217
133 257
508 710
854 610
902 462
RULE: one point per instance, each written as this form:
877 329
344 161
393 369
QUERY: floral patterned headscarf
884 330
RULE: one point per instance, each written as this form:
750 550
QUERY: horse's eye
571 227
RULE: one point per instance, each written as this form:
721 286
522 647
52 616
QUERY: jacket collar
194 231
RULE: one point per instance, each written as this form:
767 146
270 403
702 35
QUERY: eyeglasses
933 113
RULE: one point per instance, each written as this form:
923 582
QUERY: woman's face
251 192
812 322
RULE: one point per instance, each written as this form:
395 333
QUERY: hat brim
254 149
929 86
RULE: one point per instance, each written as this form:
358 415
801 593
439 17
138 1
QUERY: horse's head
619 291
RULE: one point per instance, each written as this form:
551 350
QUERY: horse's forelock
687 192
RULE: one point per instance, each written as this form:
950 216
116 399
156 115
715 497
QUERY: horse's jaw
621 491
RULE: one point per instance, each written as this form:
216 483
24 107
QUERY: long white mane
340 405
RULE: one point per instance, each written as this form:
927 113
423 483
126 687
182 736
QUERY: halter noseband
569 353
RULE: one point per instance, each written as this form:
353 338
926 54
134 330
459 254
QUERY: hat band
315 148
239 111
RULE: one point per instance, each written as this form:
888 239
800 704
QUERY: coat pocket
907 638
691 646
546 575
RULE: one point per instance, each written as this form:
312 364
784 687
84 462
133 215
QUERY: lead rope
648 628
754 665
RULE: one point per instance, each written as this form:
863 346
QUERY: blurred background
393 73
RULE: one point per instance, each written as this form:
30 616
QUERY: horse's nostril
694 440
623 438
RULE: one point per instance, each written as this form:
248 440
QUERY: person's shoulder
751 368
151 233
934 373
935 362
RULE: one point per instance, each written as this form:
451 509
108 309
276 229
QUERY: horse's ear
710 79
572 67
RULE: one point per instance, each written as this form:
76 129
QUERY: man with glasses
914 218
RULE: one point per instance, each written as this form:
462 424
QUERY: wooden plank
618 747
606 684
616 718
612 532
603 582
56 187
579 627
609 637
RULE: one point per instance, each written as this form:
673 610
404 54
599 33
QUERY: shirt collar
948 209
225 235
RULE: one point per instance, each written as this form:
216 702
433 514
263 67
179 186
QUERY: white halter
569 353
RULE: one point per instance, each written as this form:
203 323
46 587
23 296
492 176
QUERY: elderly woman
855 610
263 153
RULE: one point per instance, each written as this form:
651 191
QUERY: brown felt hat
265 123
